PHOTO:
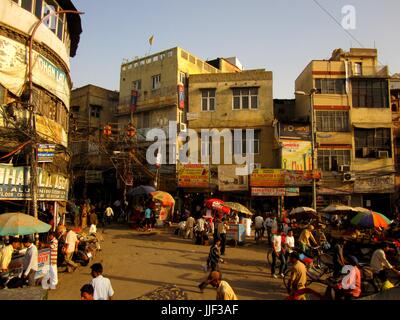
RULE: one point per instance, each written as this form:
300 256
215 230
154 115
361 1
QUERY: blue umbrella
140 191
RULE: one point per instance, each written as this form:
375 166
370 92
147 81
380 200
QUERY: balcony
369 72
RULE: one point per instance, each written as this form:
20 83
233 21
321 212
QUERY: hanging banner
181 96
275 192
193 176
296 155
14 68
229 181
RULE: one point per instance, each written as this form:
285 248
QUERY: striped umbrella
371 219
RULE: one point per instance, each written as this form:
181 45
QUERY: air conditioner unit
344 168
182 127
383 154
349 176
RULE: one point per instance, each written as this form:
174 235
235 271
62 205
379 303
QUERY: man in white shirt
71 246
277 253
102 286
189 227
30 261
258 226
109 214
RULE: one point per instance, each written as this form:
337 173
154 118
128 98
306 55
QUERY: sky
281 36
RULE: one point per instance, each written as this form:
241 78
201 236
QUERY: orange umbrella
164 197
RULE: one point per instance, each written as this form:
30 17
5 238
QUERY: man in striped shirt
52 275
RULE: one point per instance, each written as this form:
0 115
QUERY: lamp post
32 120
314 184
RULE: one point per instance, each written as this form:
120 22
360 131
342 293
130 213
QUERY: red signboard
181 96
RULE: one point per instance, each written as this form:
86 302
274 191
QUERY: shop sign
15 184
193 176
267 178
301 178
292 192
229 181
335 190
296 155
17 264
383 184
275 192
51 130
46 152
93 176
294 131
181 96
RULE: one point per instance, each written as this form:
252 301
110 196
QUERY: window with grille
156 81
370 93
239 145
245 98
331 160
208 99
330 86
371 143
332 121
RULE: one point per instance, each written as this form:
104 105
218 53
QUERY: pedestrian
189 227
224 290
147 216
30 265
268 227
71 247
274 225
109 214
6 254
102 286
289 244
199 230
258 226
222 229
87 291
298 275
93 217
278 253
52 275
213 260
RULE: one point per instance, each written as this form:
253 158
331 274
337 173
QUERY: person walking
147 216
30 265
268 227
52 275
258 227
278 253
87 292
103 289
189 227
213 260
71 246
224 290
109 214
222 229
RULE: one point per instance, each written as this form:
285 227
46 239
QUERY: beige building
395 105
92 108
153 92
353 122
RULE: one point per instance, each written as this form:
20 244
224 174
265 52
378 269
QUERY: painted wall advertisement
383 184
14 67
229 181
15 184
296 155
193 176
46 152
17 263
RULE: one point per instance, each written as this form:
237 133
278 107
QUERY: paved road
138 263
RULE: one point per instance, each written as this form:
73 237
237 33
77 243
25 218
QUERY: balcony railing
369 71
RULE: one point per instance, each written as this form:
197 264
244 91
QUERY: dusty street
138 263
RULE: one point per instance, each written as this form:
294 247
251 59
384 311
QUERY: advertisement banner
181 96
46 152
294 131
193 176
296 155
17 264
384 184
301 178
229 181
267 178
14 69
275 192
15 184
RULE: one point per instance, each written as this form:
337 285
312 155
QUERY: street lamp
314 186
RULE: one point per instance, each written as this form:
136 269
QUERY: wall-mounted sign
46 152
296 155
275 192
93 176
181 96
134 99
229 181
193 176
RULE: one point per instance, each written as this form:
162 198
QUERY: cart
236 234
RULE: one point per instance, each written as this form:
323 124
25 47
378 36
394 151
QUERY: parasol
238 207
141 190
164 197
338 207
302 209
216 204
18 223
371 219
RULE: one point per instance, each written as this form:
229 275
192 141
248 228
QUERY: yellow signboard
193 176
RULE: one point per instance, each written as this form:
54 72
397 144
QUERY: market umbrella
164 197
17 223
302 209
216 204
141 190
371 219
238 207
337 208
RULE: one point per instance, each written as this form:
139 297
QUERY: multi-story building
228 102
395 105
153 94
54 42
92 108
353 121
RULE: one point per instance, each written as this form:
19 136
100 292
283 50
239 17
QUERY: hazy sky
279 35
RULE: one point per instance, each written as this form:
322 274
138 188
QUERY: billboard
383 184
294 131
267 178
229 181
296 155
193 176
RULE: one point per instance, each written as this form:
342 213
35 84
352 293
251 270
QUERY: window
245 98
182 78
239 146
38 8
208 99
156 81
369 142
95 111
358 68
370 93
137 85
331 160
332 121
330 86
